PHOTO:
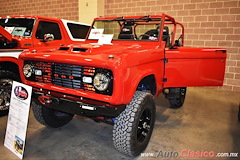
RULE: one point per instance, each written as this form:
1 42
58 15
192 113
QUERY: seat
126 32
166 36
151 33
155 32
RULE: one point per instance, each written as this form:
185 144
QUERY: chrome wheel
5 93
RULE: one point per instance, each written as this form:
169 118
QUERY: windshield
21 27
141 29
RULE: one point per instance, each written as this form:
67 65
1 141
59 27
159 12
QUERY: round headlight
28 70
101 81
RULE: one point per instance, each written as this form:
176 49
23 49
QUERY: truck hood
91 49
93 54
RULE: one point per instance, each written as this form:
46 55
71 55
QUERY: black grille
67 75
64 75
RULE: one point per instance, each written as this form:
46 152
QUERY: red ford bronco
22 32
124 63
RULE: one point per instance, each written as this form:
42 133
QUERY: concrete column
90 9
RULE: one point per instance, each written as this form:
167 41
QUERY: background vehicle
115 74
23 32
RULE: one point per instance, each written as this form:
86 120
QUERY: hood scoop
77 50
73 49
64 48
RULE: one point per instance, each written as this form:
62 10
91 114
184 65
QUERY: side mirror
48 37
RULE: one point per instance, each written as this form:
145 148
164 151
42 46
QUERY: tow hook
45 100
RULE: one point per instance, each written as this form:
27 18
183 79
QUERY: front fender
128 80
9 59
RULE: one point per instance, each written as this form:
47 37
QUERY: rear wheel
6 80
50 117
176 97
133 127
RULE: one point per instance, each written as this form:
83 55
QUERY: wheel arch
10 66
134 82
148 83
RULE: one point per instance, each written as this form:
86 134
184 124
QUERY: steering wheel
143 35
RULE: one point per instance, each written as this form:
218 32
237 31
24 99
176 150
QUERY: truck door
185 66
47 27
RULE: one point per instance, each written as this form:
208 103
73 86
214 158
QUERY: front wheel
133 127
6 80
50 117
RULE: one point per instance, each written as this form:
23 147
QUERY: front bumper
76 105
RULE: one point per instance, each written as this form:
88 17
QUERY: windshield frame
140 20
29 18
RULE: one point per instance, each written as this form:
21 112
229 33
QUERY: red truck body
112 73
185 66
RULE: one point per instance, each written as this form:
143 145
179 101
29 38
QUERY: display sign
9 29
18 118
105 39
95 33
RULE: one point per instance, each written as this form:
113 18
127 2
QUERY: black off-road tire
50 117
6 76
133 127
177 97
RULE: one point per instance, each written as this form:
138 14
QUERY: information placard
105 39
95 33
18 118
